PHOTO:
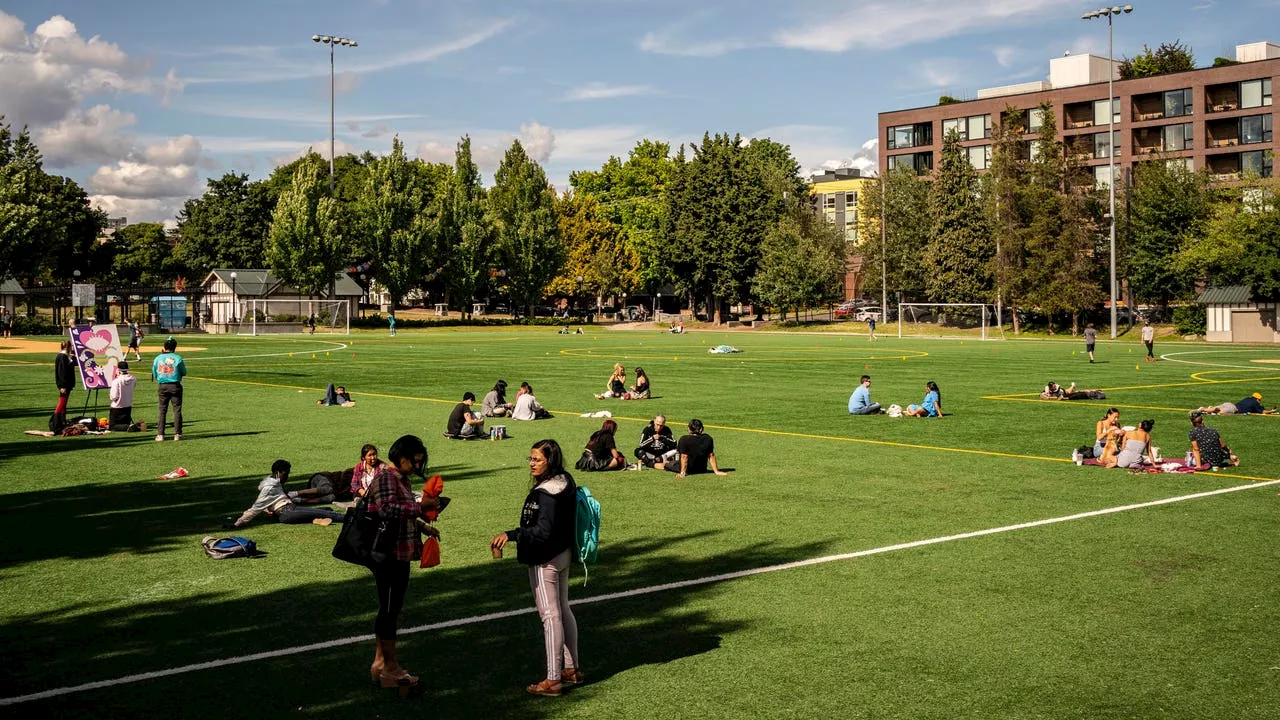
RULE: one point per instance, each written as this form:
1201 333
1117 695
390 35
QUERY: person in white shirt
1148 338
527 407
120 417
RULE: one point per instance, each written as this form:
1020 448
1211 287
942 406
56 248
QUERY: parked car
871 312
846 309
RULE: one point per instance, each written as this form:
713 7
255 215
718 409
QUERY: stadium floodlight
332 41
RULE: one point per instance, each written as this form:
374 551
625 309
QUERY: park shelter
10 293
228 299
1233 315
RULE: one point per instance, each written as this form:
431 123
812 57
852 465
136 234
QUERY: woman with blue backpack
545 541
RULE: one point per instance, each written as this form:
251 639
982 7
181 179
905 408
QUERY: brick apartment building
1219 118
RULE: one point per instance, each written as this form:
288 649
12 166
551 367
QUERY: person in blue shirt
860 401
931 406
167 370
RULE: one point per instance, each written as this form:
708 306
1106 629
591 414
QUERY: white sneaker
1075 457
177 437
160 438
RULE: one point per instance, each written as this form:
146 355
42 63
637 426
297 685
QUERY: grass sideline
103 575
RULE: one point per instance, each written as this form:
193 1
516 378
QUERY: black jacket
64 372
546 521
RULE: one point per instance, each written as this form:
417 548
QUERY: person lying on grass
273 500
1249 405
1054 391
336 396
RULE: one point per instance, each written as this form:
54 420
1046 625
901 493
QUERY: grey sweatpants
550 585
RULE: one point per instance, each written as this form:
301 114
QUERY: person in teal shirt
167 370
391 322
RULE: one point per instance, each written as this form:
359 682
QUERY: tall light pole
235 298
1108 13
332 41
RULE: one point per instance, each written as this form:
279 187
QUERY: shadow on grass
27 412
474 670
32 445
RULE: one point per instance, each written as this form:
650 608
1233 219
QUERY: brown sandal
571 676
546 688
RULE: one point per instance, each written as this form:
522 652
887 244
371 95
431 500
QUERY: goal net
275 316
953 320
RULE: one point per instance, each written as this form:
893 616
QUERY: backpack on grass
586 538
230 547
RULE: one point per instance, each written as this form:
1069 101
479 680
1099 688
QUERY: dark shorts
1088 347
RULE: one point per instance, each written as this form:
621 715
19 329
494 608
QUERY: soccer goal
274 316
947 320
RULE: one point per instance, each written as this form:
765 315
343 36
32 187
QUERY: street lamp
657 304
75 278
1108 13
332 41
235 297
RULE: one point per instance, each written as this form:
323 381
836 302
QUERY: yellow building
836 193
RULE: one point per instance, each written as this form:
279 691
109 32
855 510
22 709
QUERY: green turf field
1165 611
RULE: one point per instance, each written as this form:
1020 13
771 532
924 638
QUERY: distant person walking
167 370
64 374
1148 339
871 328
6 322
135 339
391 324
1090 339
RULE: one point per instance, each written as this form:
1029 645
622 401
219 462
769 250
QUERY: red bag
432 488
430 553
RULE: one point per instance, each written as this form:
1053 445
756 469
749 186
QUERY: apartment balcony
1148 140
1078 115
1222 133
1222 98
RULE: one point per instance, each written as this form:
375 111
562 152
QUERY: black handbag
366 539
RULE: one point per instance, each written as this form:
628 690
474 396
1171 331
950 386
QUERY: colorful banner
97 349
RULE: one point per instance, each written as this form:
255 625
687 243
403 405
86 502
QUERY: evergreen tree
902 245
466 237
305 236
1009 213
522 212
957 257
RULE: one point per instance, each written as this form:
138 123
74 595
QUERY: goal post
913 317
275 316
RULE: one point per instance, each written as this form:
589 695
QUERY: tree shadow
471 670
31 445
31 412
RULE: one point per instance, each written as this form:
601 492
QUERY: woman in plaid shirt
391 497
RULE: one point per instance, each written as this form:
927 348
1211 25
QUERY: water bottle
1190 458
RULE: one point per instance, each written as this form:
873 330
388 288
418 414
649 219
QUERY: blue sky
142 100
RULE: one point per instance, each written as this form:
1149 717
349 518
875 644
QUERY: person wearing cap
120 417
1207 447
1250 405
167 370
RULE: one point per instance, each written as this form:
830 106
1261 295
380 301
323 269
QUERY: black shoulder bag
366 539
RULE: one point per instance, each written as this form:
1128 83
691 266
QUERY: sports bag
365 539
230 547
586 537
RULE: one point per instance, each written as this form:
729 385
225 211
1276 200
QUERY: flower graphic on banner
97 350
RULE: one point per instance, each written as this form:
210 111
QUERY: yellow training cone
326 354
1137 367
313 356
290 354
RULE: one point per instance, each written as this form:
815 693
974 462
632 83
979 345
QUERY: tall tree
1240 242
595 249
397 211
143 255
466 237
801 261
1168 58
1167 205
227 226
958 255
906 205
522 210
305 236
1009 213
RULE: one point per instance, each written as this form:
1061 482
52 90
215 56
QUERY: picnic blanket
1166 466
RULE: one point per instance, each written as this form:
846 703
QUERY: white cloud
183 150
95 135
823 147
942 72
1005 55
866 159
140 180
668 42
488 147
604 91
162 210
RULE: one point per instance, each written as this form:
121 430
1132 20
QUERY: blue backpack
230 547
586 538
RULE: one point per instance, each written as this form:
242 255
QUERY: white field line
1173 357
649 590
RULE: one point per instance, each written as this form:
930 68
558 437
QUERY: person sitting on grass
930 406
527 406
697 450
120 417
495 401
601 452
1207 446
639 391
336 397
656 443
1249 405
1136 442
464 423
860 401
617 385
362 474
273 500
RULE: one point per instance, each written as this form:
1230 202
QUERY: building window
1257 162
1255 93
1100 111
829 201
1184 163
1176 137
905 136
1102 144
1102 177
1255 129
979 157
956 124
1035 119
979 127
851 200
1177 103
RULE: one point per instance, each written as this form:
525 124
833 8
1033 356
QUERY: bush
1189 320
23 325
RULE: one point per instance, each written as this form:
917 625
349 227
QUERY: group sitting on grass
930 406
616 387
286 506
1131 447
